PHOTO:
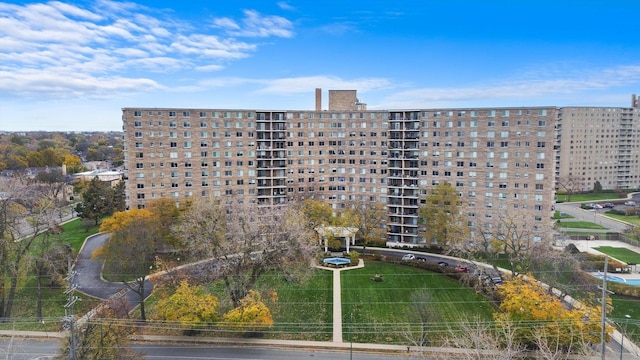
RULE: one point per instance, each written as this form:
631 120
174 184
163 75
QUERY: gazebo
339 232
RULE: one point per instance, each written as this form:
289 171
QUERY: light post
351 338
626 321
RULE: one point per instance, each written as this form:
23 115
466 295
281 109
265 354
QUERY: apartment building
599 144
501 160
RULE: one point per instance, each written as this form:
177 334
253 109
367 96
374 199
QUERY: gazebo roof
337 231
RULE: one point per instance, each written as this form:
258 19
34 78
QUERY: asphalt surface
596 216
88 277
44 349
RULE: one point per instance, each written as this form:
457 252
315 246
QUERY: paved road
594 216
89 279
27 349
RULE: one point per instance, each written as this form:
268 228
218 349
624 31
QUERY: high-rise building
502 161
599 144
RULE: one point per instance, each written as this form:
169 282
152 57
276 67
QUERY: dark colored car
608 205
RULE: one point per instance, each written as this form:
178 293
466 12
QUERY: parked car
608 205
630 203
443 263
596 206
408 257
420 258
462 269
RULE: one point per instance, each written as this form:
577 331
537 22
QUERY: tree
369 218
16 220
189 305
131 249
511 235
247 240
167 214
597 187
571 184
105 335
442 217
318 213
97 201
118 201
73 163
478 340
50 263
251 315
422 310
539 316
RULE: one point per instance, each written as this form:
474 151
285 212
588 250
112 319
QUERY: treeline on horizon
38 149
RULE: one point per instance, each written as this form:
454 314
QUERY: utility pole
604 309
69 319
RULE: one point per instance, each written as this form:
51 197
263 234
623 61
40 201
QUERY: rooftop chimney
318 99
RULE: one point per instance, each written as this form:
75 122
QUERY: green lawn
579 225
589 197
382 311
635 219
622 254
303 311
626 306
556 215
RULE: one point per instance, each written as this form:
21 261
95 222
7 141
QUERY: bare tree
246 239
105 335
50 262
422 310
23 209
571 184
549 348
510 234
480 340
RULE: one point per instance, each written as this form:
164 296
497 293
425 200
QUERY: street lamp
626 321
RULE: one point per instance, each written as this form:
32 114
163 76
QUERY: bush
617 212
572 249
354 256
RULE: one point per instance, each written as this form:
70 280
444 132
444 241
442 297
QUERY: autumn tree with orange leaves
252 315
543 322
189 306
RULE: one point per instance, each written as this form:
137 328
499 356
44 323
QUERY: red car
461 268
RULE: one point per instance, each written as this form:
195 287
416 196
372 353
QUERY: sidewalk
589 246
337 298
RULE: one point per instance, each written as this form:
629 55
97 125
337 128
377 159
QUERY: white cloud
207 68
226 23
285 6
544 86
303 84
255 24
75 50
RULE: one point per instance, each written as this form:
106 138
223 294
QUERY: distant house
109 176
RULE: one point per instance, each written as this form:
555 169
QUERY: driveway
89 279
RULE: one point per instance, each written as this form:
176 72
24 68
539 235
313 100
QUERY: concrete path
337 298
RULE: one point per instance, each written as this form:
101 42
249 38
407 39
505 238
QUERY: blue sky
72 65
